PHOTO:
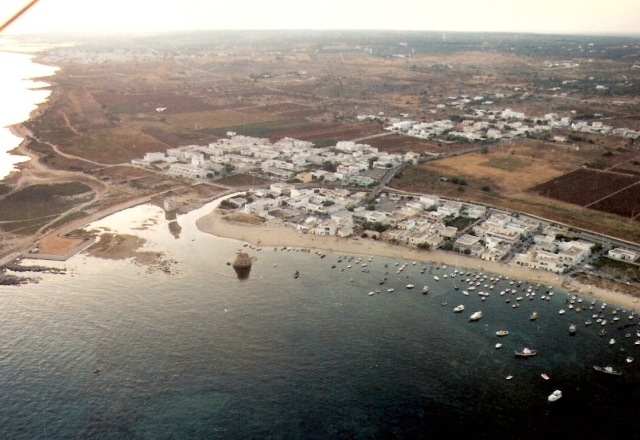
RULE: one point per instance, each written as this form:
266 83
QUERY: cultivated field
584 187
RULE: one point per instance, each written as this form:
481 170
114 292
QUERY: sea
116 350
20 96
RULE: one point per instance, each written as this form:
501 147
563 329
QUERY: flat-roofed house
623 254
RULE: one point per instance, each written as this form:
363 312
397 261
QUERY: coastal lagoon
112 349
20 96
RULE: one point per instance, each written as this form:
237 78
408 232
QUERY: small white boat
372 293
509 377
465 293
498 345
557 394
435 277
425 289
526 352
410 286
544 376
607 369
612 341
458 309
561 311
390 289
502 333
475 316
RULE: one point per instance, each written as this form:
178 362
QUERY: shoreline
274 234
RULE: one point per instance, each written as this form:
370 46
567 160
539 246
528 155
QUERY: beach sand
274 234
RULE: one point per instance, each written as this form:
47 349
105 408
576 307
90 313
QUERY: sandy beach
274 233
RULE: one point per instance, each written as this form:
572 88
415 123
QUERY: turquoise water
202 354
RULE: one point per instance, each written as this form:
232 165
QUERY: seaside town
321 191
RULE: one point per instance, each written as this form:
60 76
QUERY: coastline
274 234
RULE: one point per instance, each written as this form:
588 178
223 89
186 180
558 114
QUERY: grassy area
38 201
262 129
460 222
617 268
242 180
510 163
123 108
67 219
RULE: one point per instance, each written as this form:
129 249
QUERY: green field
510 163
263 129
28 209
242 180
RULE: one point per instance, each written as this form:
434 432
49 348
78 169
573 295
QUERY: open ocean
201 354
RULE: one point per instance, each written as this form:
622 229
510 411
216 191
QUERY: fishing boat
435 277
498 345
526 352
475 316
557 394
533 316
572 329
425 290
458 309
410 286
390 289
544 376
502 333
607 370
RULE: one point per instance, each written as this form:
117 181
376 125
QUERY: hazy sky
111 16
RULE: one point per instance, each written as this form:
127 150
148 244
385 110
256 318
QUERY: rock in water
242 265
242 260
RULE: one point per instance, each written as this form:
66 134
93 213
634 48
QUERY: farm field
584 187
625 203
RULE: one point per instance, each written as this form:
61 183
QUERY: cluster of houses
505 124
419 221
283 160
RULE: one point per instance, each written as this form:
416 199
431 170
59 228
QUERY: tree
371 207
329 166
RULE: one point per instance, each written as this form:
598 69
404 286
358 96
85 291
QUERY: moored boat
557 394
458 309
502 333
410 286
475 316
526 352
425 290
533 316
572 329
607 370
